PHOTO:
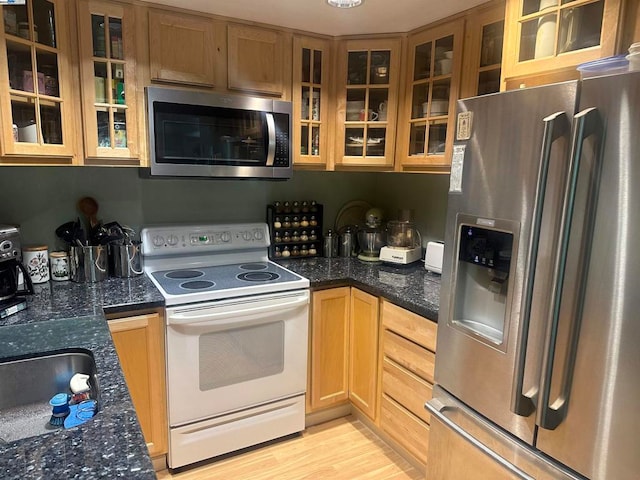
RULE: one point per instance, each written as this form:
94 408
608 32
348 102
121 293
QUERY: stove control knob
158 241
258 234
225 237
172 240
247 236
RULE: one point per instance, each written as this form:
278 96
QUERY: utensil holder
88 264
125 260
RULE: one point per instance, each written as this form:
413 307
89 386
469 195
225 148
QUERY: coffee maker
10 269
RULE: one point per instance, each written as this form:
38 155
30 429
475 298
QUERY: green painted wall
41 198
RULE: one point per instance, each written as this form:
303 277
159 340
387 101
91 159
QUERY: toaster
433 257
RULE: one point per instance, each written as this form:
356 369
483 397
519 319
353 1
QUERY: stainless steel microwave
200 134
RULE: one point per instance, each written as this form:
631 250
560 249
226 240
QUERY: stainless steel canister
88 263
330 245
125 260
348 243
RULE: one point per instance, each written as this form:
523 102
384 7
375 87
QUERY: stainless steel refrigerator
538 362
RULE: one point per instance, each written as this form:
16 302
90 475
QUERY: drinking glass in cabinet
104 132
315 140
310 104
304 103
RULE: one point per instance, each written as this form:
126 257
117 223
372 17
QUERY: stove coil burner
258 276
253 266
184 274
197 284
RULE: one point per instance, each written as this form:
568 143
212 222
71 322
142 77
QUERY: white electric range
236 337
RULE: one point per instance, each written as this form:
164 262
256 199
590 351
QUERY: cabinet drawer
414 327
407 389
405 428
413 357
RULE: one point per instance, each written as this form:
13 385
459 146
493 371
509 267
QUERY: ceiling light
344 3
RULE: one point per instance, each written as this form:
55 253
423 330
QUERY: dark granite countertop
67 315
410 287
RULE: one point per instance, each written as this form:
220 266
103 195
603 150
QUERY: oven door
232 354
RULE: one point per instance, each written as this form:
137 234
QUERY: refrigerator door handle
555 126
551 413
437 408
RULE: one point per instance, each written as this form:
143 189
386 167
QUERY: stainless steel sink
27 385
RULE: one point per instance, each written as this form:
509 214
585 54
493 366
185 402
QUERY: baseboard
327 415
159 463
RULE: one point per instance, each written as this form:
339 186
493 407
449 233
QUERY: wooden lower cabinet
363 352
328 383
408 361
343 359
139 342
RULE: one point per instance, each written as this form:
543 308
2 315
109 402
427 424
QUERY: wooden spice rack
295 229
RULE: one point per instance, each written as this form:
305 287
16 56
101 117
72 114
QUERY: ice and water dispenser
482 278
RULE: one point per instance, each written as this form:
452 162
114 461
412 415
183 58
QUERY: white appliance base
210 438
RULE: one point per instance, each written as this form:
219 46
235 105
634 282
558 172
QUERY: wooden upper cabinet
432 81
550 36
107 45
37 99
482 58
182 48
311 60
368 81
256 60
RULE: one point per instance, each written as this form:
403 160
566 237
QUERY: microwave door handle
555 126
551 413
271 130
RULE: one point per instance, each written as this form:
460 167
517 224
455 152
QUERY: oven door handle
235 314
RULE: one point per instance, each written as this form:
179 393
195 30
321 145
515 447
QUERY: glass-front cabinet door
431 90
109 97
35 101
548 35
311 101
482 60
367 102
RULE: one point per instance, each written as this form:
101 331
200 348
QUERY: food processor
371 237
404 243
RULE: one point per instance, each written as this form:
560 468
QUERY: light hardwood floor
342 449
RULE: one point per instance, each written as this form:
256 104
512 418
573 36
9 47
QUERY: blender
404 243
